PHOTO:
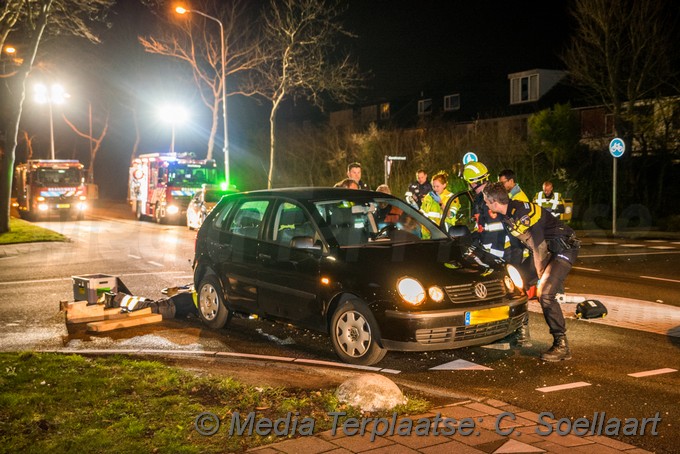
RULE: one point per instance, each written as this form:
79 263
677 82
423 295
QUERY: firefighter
553 201
435 201
491 234
554 247
489 230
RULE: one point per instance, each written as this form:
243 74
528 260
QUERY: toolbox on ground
89 287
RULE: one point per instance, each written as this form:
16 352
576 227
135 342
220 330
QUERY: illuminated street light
54 95
174 115
181 10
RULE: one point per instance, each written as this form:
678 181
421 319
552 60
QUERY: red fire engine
50 186
162 184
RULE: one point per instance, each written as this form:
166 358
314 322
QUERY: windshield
364 221
59 177
191 175
214 195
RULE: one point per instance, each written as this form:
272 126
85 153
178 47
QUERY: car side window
291 221
221 217
248 218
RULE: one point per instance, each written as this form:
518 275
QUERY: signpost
469 157
616 147
388 164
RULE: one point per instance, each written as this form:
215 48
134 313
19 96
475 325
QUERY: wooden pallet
99 319
133 319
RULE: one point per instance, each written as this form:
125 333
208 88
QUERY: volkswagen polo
364 267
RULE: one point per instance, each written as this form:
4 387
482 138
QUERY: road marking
605 243
632 245
585 269
653 372
155 263
626 254
660 279
661 247
549 389
134 256
656 241
460 364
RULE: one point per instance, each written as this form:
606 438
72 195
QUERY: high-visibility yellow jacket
434 211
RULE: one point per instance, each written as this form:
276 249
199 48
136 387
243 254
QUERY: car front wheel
355 334
211 307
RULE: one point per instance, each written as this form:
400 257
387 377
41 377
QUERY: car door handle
264 256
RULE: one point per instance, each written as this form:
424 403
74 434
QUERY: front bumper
446 329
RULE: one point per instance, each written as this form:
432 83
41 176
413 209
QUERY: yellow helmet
475 173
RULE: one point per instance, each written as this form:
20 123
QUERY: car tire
355 335
211 306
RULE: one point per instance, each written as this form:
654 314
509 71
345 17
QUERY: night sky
407 46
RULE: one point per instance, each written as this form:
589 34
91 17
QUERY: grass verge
65 403
24 232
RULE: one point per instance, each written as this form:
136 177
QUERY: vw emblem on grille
480 290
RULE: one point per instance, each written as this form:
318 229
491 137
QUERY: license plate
63 205
487 315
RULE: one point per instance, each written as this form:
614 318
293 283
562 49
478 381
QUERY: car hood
431 262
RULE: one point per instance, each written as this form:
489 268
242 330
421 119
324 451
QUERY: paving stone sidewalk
485 439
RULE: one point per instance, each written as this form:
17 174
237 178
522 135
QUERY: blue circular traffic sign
469 157
617 147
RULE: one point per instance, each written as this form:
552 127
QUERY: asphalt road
150 257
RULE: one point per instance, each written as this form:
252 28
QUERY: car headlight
411 290
515 278
172 209
436 293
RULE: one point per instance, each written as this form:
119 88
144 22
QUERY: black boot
559 350
522 336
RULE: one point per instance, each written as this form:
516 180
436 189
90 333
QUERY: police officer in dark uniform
554 247
418 189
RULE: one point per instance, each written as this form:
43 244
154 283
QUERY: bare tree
621 53
33 18
195 43
303 59
95 142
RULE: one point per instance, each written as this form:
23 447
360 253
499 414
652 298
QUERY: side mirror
303 242
457 231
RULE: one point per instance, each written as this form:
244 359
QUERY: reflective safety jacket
554 202
534 227
433 208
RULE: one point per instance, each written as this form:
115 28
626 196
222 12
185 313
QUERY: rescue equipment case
591 309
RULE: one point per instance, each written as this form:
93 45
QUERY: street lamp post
181 10
173 114
54 95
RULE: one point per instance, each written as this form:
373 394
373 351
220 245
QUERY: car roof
314 193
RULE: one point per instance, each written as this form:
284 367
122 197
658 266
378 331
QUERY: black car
363 266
